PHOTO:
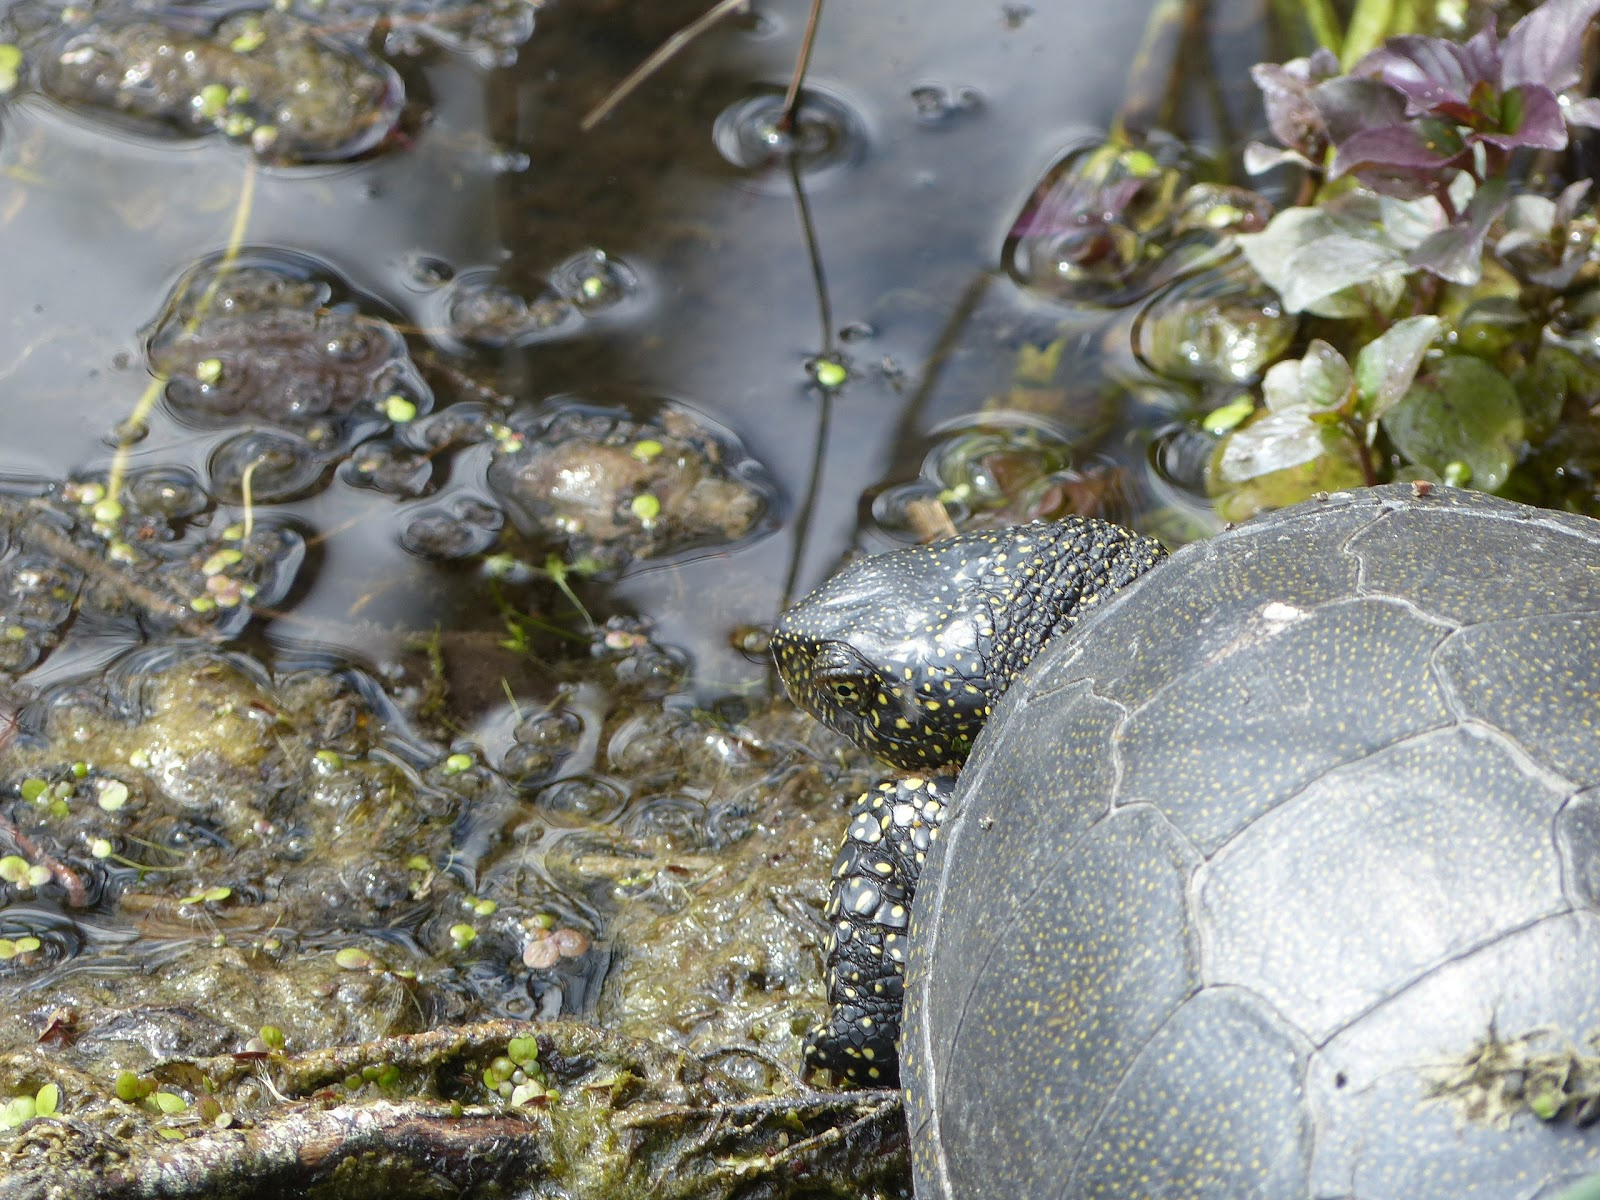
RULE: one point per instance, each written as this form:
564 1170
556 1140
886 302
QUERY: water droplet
272 467
593 281
595 800
940 105
749 134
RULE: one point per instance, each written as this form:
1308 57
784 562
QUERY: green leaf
1369 25
16 1111
1314 257
1462 411
10 66
46 1100
1387 365
1544 386
1220 420
1325 24
170 1103
1325 378
1321 380
1278 459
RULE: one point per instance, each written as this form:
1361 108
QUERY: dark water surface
952 112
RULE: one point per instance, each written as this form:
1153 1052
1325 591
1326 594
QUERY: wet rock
481 312
997 470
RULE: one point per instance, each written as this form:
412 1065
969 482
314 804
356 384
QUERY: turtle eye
845 692
841 678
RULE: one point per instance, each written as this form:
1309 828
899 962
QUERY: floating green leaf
1461 411
1387 365
1231 414
10 66
1319 260
1278 459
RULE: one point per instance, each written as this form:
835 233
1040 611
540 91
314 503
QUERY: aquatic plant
1425 254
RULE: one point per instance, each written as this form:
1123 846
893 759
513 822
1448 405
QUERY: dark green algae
231 851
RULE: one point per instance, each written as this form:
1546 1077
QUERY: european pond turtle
1277 876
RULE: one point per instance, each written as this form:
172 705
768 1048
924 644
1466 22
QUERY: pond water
949 114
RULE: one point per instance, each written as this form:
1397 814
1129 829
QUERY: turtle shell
1280 877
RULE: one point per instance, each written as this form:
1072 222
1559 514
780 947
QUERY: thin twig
146 598
663 54
808 40
77 891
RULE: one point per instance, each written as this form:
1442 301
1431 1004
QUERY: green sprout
10 67
830 374
211 895
399 410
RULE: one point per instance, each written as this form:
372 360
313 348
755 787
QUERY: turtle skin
905 653
1279 877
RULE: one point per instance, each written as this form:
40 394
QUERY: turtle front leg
874 880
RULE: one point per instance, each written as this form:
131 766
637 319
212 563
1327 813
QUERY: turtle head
906 653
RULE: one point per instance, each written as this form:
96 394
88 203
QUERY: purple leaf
1530 115
1483 52
1422 146
1433 73
1546 46
1571 196
1456 253
1350 105
1323 64
1294 120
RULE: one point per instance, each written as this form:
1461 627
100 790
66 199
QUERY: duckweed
131 1088
399 410
831 374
